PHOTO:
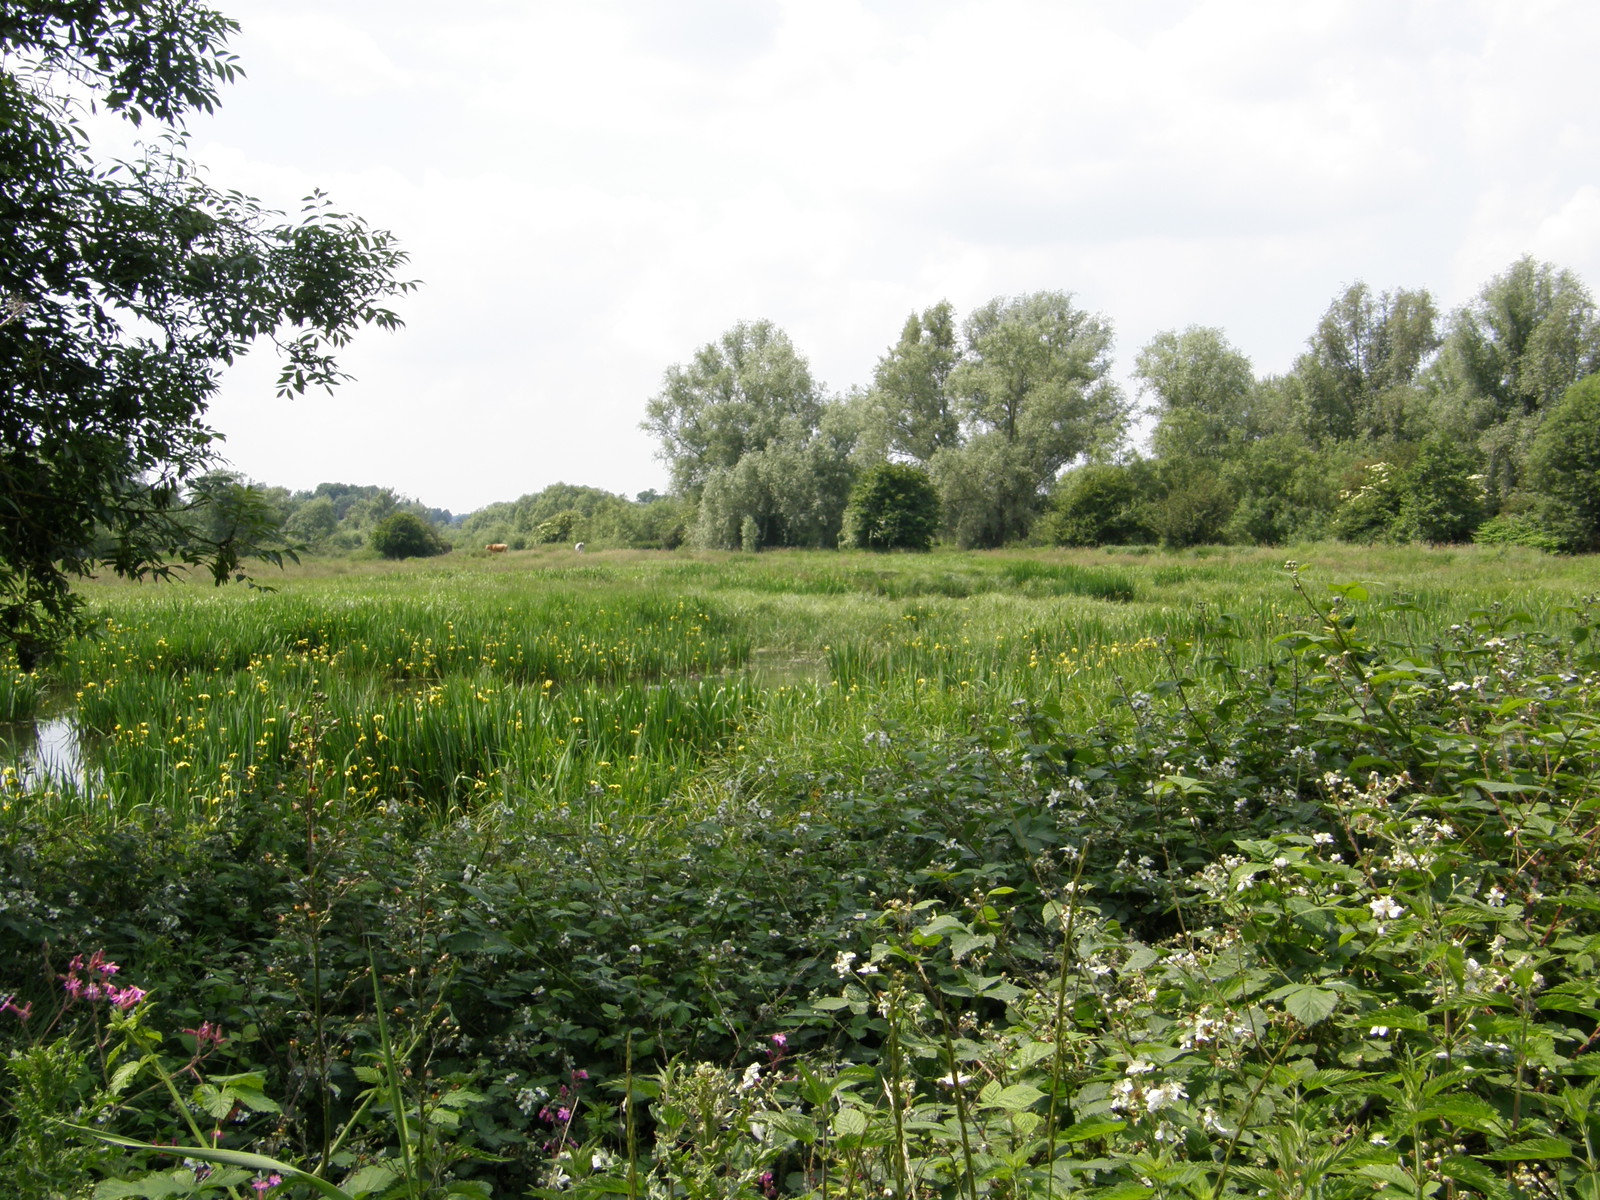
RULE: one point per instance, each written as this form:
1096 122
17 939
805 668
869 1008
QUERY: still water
47 752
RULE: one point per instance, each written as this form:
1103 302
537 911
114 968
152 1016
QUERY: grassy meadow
608 684
1111 873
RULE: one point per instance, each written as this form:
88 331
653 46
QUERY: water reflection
772 668
46 753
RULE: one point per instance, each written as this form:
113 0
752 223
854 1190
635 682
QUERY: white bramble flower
1164 1095
1139 1067
1384 908
751 1077
844 962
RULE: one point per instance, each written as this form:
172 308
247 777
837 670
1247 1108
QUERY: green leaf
1012 1099
123 1075
963 943
1305 1003
850 1122
374 1178
1083 1131
233 1158
1534 1149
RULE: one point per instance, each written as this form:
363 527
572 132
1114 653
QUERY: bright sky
589 191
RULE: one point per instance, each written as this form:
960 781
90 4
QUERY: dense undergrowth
1301 901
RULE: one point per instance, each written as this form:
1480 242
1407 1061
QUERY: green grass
533 682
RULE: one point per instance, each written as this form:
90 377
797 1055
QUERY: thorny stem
955 1081
1060 1024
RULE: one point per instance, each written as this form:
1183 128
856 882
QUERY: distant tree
1369 510
1442 497
1564 468
1204 390
736 396
1102 504
561 527
910 398
1034 394
1192 505
1511 354
751 441
312 521
405 535
1361 368
893 506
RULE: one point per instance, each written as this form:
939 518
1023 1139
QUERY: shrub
1100 505
405 535
1564 466
1442 499
894 506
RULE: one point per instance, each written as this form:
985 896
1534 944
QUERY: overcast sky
589 191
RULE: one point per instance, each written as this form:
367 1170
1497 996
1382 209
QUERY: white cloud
591 191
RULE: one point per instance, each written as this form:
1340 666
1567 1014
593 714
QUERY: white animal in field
579 547
496 547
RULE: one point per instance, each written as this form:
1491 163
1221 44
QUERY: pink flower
9 1005
127 997
207 1034
263 1186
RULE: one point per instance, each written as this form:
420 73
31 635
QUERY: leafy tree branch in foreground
127 287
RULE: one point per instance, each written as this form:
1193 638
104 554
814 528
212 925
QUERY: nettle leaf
179 1181
1306 1003
1087 1130
1532 1150
1011 1099
850 1122
963 943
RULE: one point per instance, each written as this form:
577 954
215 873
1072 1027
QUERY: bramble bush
1319 927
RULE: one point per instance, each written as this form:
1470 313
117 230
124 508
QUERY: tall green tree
910 397
1360 371
736 396
750 438
1511 354
1033 393
1564 467
126 288
1204 390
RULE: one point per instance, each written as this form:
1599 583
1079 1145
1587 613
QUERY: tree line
1396 423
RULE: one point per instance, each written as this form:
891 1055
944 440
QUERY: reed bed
534 684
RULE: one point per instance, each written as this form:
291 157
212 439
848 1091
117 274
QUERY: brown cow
496 547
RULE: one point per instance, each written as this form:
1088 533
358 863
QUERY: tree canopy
127 287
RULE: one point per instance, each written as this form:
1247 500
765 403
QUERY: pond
47 752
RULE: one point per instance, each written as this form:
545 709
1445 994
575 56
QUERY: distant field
610 682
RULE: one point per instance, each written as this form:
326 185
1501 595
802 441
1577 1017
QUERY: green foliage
1529 335
1191 506
910 400
1520 528
406 535
1358 378
1034 392
1204 390
229 520
129 286
1045 830
894 506
1443 499
1103 504
1564 467
1435 498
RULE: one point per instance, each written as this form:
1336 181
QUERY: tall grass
538 683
